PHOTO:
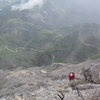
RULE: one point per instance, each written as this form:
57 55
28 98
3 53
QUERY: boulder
92 73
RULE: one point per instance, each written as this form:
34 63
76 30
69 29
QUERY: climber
71 76
72 84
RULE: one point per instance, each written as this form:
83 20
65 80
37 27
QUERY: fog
89 5
86 7
27 5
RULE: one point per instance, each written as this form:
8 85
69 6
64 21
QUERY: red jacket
71 75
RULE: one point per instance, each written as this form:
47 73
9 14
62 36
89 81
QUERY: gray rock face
92 73
95 71
48 83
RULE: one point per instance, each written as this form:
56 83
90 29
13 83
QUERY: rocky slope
48 82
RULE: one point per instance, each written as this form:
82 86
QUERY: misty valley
41 32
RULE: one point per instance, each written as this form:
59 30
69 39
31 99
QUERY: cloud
27 5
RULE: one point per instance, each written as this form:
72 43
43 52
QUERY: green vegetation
47 46
39 37
95 57
25 42
19 22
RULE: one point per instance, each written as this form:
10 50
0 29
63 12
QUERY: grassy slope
73 44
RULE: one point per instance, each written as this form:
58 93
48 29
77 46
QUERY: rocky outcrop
49 83
92 73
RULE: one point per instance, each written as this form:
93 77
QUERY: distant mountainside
52 30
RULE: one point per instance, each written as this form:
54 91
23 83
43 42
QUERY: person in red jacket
72 84
71 76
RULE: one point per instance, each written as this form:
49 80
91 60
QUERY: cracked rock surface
47 82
